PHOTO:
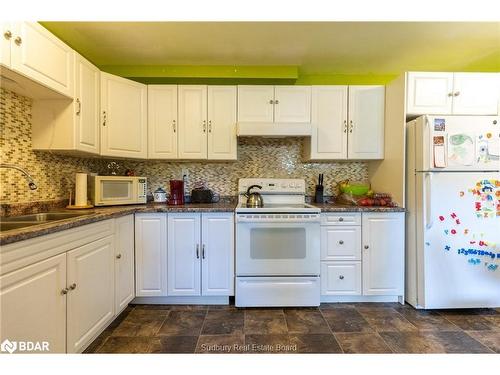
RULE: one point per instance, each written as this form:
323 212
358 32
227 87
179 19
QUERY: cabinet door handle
341 242
352 126
203 251
366 246
72 286
276 102
345 126
450 94
456 93
197 251
64 291
341 277
210 126
271 101
204 126
18 41
104 118
7 34
173 125
79 110
118 256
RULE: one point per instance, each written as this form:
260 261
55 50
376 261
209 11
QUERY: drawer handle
341 277
341 242
341 219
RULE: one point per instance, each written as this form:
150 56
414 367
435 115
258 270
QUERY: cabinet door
429 93
292 104
87 98
366 122
151 254
193 122
184 254
222 141
383 253
475 93
32 306
340 278
39 55
217 254
329 122
6 40
162 121
124 117
124 262
91 296
341 242
255 103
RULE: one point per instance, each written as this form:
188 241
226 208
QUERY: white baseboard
326 299
177 300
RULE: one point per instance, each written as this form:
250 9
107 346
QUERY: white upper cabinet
292 104
383 253
279 104
366 122
151 254
162 121
475 93
193 126
217 254
124 117
86 106
6 40
329 123
222 141
184 254
33 307
255 103
347 123
90 281
429 93
452 93
39 55
124 262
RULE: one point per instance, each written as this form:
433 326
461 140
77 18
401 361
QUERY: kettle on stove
254 199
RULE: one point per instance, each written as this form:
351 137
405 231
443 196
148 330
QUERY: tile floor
331 328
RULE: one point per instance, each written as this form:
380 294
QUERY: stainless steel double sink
17 222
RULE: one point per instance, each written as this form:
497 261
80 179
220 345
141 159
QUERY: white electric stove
277 246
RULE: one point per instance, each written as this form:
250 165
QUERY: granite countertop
104 213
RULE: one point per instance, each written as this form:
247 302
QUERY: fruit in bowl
356 188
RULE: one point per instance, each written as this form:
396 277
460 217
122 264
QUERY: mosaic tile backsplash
54 174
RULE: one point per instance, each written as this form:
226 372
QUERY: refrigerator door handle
428 201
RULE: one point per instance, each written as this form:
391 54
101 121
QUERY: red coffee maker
176 193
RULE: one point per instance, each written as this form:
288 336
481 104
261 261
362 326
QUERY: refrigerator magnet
439 124
439 152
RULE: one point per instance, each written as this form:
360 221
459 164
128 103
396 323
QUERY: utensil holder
318 194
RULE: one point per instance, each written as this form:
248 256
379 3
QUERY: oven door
269 246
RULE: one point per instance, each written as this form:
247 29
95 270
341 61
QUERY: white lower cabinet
201 254
91 290
365 257
340 278
32 306
124 262
383 253
151 254
184 254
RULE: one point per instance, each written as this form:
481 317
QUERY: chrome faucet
31 182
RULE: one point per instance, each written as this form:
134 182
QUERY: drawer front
340 278
341 218
340 242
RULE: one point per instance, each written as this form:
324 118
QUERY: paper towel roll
81 189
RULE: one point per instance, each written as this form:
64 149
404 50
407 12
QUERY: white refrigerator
453 203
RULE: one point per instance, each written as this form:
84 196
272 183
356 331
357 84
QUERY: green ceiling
291 52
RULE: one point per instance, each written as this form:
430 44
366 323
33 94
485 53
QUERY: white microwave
117 190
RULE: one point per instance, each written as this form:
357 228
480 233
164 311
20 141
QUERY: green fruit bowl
355 189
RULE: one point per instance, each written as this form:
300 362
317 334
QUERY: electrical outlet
185 172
